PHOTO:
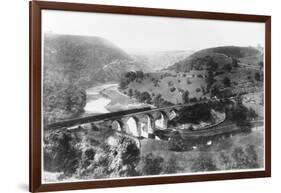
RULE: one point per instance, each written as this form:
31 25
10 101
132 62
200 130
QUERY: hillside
86 58
220 55
74 63
214 72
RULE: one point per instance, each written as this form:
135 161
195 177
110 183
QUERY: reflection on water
107 98
97 106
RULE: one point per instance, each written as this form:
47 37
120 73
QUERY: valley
164 112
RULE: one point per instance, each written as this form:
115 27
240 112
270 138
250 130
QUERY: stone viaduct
136 122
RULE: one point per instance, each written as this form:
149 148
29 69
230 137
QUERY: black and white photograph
130 96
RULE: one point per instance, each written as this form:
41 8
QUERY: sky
154 33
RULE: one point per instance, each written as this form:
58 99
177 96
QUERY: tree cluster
130 76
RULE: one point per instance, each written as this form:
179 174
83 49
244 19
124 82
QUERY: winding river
107 98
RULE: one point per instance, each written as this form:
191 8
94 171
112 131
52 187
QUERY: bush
152 165
185 96
244 159
172 89
198 90
171 167
226 82
145 97
62 101
61 153
203 163
125 158
176 142
227 67
130 92
258 76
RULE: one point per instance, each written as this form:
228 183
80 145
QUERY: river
107 98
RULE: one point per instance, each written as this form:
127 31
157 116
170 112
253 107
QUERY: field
184 161
170 85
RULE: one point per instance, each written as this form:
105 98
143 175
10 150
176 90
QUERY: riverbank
106 98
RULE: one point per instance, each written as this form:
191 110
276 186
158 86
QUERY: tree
145 97
212 65
172 89
188 81
139 75
234 62
210 80
130 92
215 91
226 82
185 96
261 64
61 153
123 83
176 142
227 67
258 76
152 165
124 158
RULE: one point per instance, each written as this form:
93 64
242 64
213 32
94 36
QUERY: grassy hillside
74 63
86 59
169 86
207 73
222 56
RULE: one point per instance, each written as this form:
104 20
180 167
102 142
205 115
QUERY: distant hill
157 60
74 63
86 59
219 55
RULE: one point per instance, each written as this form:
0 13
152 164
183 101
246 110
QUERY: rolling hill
86 59
219 55
74 63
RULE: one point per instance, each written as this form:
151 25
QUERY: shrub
185 96
203 163
171 167
226 82
244 159
198 90
227 67
145 97
172 89
61 153
152 165
125 158
225 161
176 142
258 76
130 92
192 100
170 83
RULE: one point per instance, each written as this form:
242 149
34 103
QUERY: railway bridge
135 122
